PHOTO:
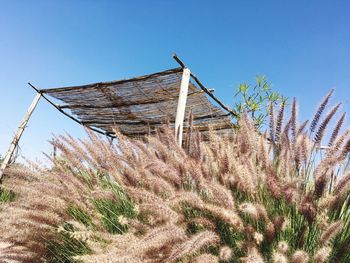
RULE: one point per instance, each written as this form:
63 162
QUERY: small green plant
256 99
116 213
6 195
80 215
64 246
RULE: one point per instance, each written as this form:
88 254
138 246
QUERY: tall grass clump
277 196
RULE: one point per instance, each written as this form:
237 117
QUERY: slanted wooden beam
206 90
18 135
181 105
65 113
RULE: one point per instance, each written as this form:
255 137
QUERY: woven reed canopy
138 106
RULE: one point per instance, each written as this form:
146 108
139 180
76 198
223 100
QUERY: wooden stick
210 94
115 82
179 61
18 135
68 115
181 105
125 104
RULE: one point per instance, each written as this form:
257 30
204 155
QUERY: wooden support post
18 135
181 105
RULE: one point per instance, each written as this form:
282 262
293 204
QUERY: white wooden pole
181 105
18 135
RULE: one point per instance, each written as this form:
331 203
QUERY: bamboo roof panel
138 106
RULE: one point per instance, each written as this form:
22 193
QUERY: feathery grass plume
246 142
319 111
282 247
307 208
302 127
202 223
154 246
153 201
343 184
346 148
336 129
321 183
279 258
225 253
262 213
263 156
189 133
158 244
228 216
300 256
208 258
330 233
322 255
285 134
306 147
293 119
249 209
193 245
301 150
272 123
258 238
338 143
253 256
279 122
160 235
321 130
220 195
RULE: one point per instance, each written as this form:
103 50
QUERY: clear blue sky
303 47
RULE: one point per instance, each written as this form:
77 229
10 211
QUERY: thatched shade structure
139 105
136 106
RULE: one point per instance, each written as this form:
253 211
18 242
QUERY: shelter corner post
18 135
181 105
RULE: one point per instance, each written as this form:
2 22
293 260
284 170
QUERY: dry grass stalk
246 199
